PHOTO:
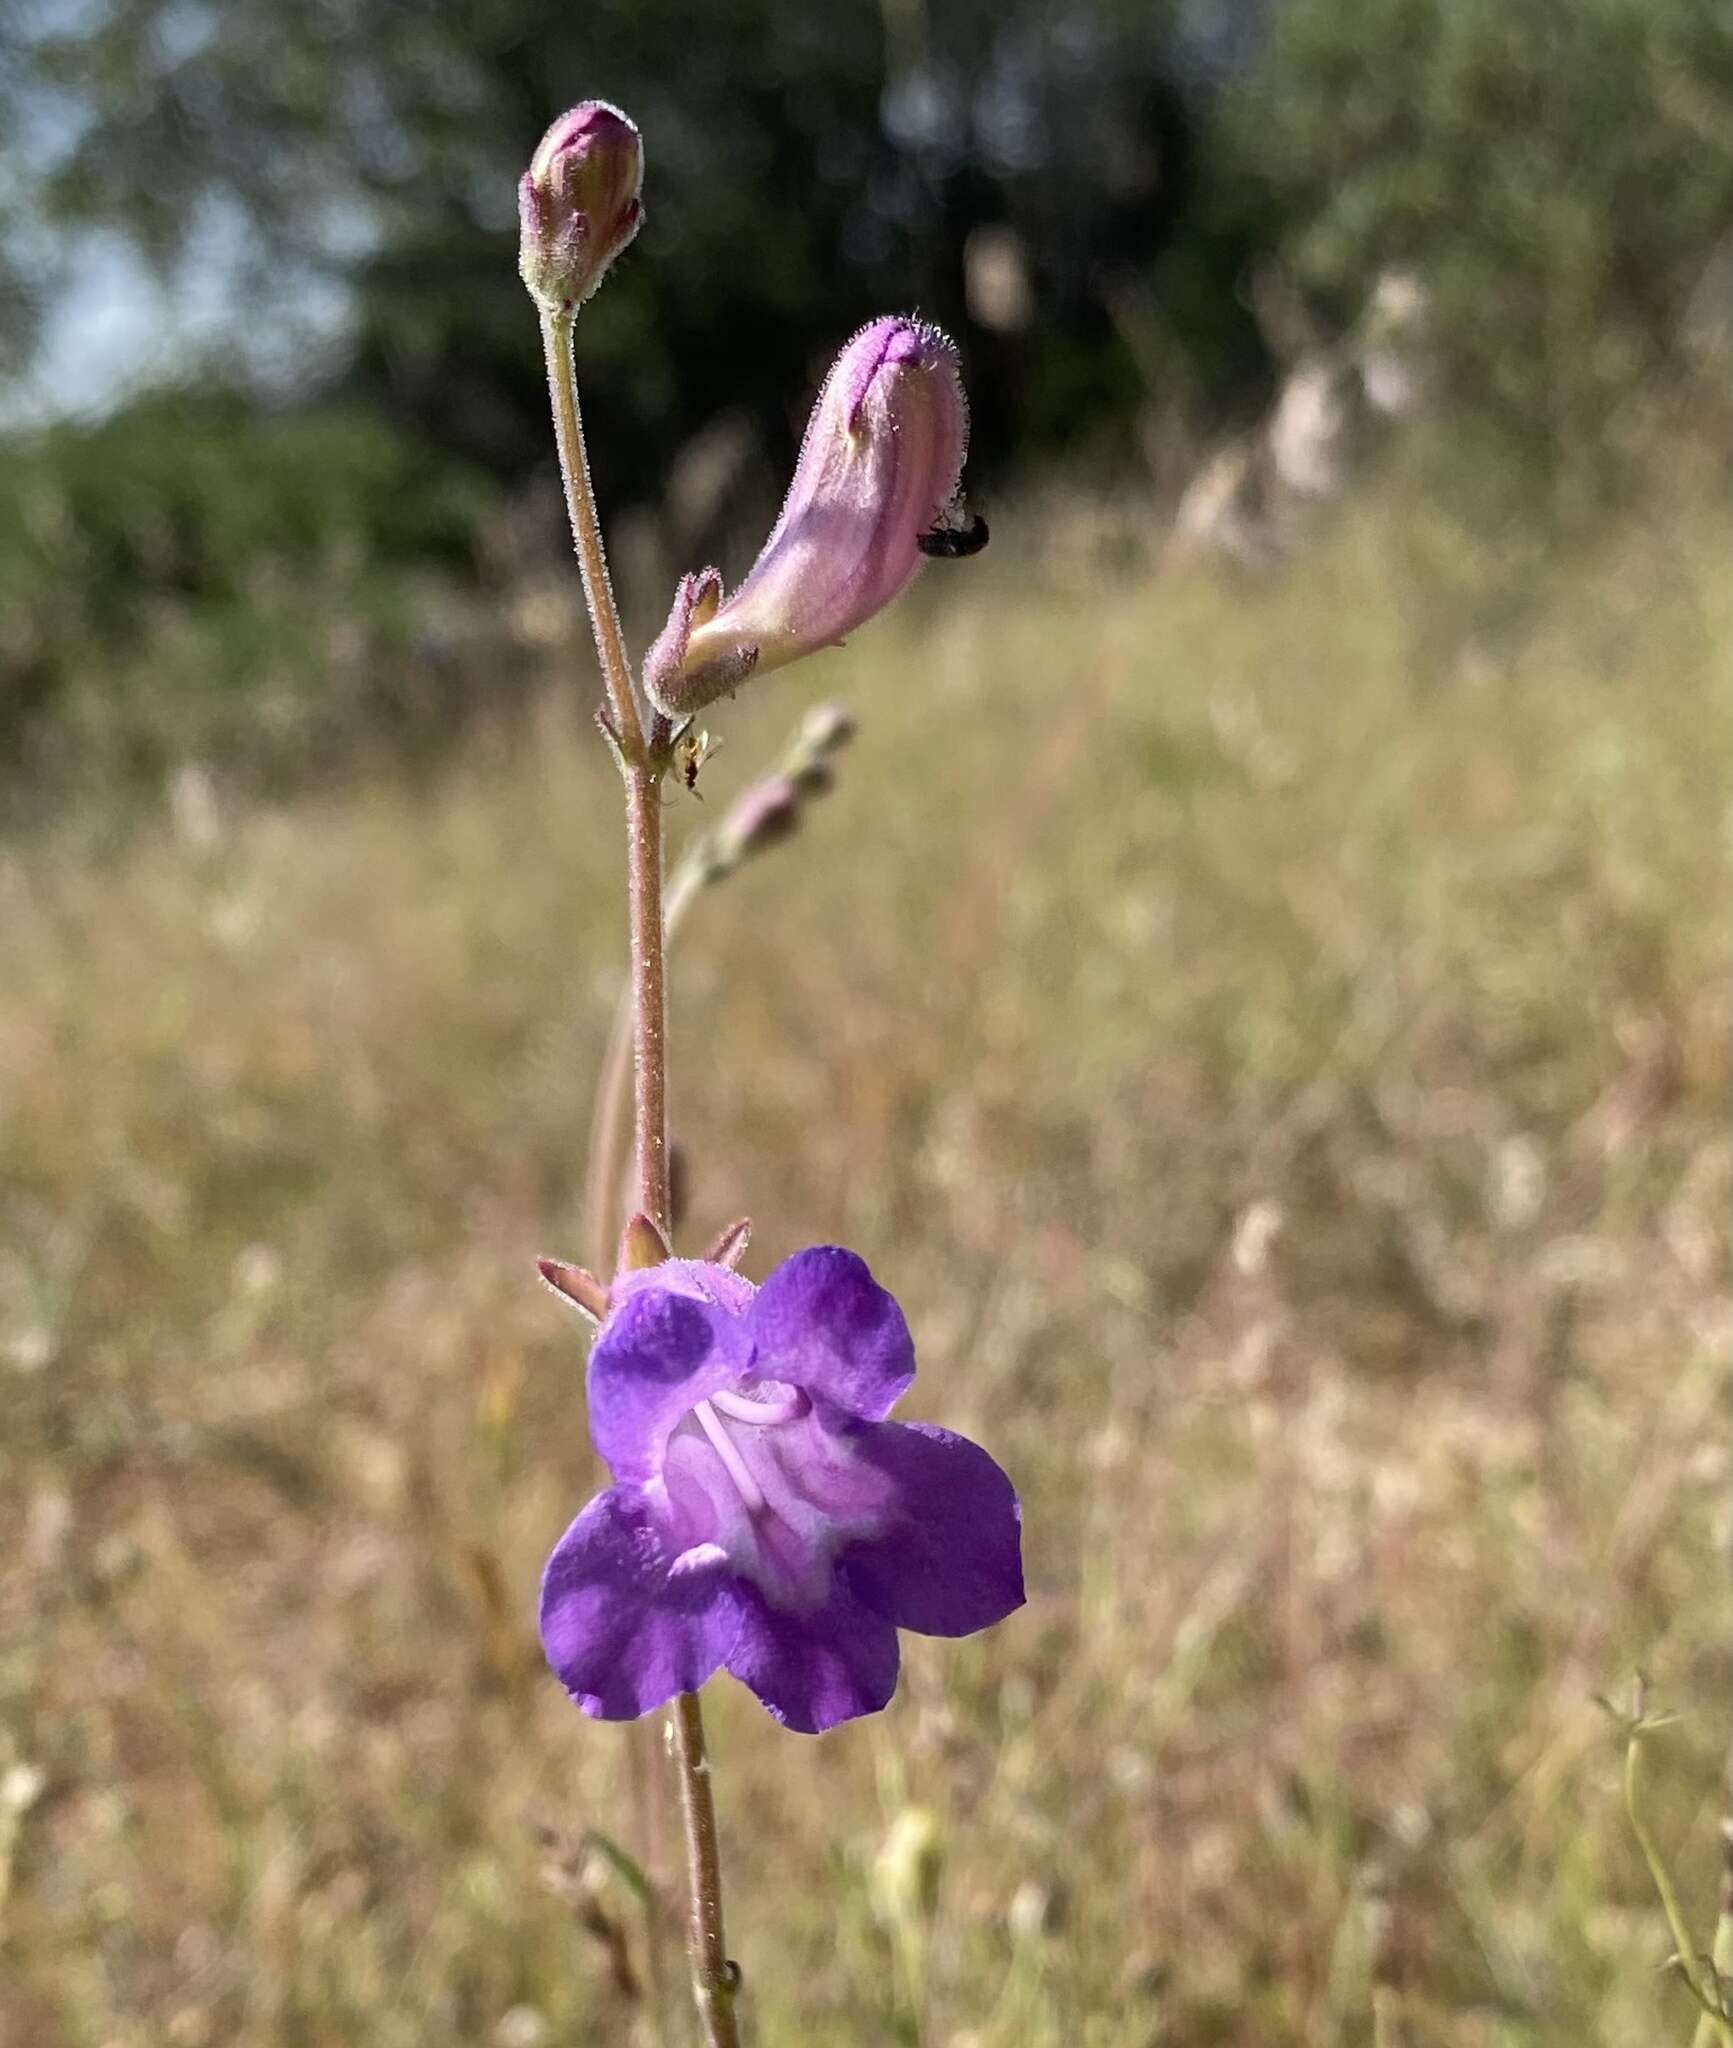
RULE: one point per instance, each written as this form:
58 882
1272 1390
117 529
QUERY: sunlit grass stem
1703 1982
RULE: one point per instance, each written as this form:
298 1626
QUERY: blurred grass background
1259 994
1291 1102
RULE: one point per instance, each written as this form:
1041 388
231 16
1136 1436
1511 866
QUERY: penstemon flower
880 463
765 1517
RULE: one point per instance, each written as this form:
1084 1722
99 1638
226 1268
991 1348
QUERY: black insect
953 543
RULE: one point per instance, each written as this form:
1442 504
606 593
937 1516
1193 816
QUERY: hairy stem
605 1170
587 535
712 1974
714 1979
644 766
649 995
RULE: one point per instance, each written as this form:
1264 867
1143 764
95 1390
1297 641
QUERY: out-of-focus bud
907 1869
813 777
827 729
578 203
765 815
883 451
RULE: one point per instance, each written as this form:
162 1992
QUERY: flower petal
812 1670
695 601
698 1279
822 1322
627 1623
880 462
670 1343
949 1560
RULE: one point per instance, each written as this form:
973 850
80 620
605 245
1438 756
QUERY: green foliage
1555 177
190 577
806 169
1556 174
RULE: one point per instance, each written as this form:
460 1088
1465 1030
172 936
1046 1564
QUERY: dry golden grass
1278 1051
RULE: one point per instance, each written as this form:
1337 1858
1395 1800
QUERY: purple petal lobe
626 1621
948 1557
662 1350
822 1322
815 1669
677 683
697 1279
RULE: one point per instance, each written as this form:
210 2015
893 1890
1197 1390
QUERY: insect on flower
692 751
950 541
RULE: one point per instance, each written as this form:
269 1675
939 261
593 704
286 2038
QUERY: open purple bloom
764 1516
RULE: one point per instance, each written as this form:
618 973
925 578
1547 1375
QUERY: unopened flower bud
578 203
827 729
765 815
880 463
813 777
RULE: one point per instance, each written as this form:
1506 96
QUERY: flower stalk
714 1978
643 767
587 537
768 812
765 1514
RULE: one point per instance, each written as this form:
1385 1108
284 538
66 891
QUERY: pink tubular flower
883 451
578 203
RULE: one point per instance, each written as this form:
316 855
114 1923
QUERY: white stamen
747 1486
743 1408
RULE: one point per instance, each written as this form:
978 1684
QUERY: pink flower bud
766 815
578 203
880 462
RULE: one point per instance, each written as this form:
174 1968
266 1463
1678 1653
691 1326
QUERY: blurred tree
806 168
1103 199
1556 174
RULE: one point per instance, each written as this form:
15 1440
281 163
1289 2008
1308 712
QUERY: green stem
1708 1994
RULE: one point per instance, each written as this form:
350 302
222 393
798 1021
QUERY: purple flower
764 1515
578 203
880 463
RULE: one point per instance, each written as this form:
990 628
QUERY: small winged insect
694 749
958 534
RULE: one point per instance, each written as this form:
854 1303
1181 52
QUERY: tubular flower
578 203
765 1517
880 463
